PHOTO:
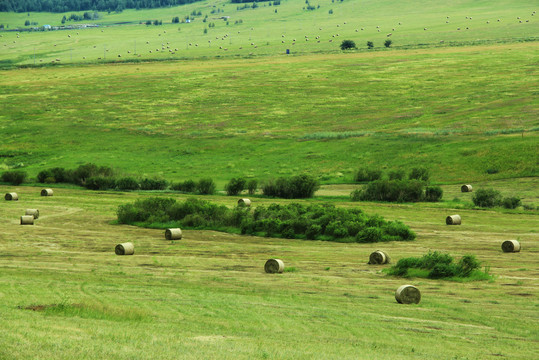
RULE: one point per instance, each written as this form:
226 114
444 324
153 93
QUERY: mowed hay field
64 291
228 103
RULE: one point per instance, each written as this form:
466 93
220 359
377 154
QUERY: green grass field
458 102
64 291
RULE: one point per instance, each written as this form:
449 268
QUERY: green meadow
456 93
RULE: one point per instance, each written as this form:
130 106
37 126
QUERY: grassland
457 111
65 292
458 102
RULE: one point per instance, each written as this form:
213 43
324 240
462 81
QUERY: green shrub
355 195
393 191
153 184
511 202
235 186
438 265
433 193
252 185
100 183
45 176
188 186
296 187
206 186
127 183
419 174
396 174
15 177
487 198
366 174
347 45
293 220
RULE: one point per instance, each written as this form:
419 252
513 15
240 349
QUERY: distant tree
370 44
348 44
27 23
175 20
388 43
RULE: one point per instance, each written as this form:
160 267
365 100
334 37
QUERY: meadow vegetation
229 99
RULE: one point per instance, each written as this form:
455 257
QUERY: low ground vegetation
489 198
397 191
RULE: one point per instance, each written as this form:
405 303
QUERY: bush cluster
490 198
235 186
322 222
397 191
365 174
437 266
15 177
295 187
78 176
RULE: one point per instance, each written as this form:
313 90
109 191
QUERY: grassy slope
445 109
206 296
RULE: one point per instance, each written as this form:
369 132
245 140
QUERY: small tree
370 44
235 186
348 44
252 186
27 23
388 43
487 198
419 174
206 186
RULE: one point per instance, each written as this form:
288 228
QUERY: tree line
59 6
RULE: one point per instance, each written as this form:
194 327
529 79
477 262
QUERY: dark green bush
100 183
366 174
252 185
419 174
296 187
439 265
325 222
355 195
206 186
45 176
347 45
127 183
188 186
487 198
393 191
396 174
153 184
15 177
511 202
235 186
433 193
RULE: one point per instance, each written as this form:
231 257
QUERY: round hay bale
274 266
11 196
27 220
408 294
47 192
124 249
466 188
379 257
453 220
33 212
511 246
173 234
244 202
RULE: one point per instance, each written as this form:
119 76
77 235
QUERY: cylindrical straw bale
173 234
379 257
453 220
511 246
27 220
244 202
274 266
408 294
125 249
11 196
33 212
466 188
47 192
